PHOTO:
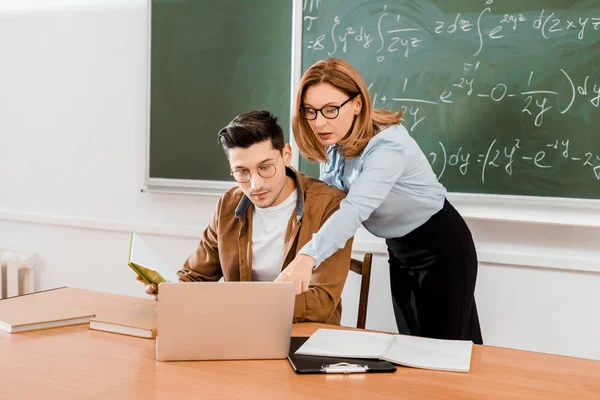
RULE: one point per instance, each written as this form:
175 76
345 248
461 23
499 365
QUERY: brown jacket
225 249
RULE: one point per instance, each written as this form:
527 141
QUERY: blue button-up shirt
391 190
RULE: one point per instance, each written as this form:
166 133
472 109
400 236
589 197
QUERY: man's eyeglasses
329 112
244 175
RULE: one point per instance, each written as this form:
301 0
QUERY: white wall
72 155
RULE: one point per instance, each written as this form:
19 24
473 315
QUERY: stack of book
56 307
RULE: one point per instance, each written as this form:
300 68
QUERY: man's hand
298 271
151 289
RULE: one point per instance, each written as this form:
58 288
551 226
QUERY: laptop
224 320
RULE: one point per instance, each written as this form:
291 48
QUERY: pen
344 368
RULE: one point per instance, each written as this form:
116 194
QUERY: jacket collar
300 180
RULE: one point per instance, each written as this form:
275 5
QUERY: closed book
410 351
144 262
39 310
140 321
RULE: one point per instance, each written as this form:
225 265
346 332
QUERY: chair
363 268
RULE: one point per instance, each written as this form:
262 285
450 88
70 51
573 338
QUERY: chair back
363 268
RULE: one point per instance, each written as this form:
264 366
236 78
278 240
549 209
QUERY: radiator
16 273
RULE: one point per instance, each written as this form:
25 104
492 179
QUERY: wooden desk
78 363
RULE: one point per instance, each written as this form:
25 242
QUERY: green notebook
144 262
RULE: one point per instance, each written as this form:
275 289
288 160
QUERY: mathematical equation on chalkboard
535 102
504 157
387 36
397 34
400 34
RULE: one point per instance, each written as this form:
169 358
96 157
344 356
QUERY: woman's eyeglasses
329 112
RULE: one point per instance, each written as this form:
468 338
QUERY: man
260 225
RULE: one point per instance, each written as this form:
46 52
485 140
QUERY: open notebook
336 365
144 262
410 351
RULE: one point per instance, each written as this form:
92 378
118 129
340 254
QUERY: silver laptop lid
224 321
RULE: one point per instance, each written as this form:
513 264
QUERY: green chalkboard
212 60
502 96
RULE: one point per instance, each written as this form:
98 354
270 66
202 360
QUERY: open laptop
224 320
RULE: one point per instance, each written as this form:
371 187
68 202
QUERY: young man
260 225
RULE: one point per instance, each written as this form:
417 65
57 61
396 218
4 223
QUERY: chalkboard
502 96
211 60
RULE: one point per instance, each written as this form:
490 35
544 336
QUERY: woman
392 191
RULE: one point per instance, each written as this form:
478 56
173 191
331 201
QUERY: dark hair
250 128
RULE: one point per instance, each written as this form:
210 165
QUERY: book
40 310
140 321
144 262
332 365
410 351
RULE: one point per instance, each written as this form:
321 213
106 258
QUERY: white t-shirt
268 238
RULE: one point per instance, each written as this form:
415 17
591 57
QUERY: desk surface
76 362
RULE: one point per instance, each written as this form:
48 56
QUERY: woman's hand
298 271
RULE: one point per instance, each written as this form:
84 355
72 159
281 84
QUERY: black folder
323 365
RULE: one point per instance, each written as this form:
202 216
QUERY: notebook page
340 343
438 354
143 255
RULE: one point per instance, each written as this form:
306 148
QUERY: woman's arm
383 165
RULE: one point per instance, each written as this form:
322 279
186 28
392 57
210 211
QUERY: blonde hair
341 75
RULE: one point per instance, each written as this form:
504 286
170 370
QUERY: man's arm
320 301
203 265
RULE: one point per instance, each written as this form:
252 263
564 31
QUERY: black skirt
433 271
